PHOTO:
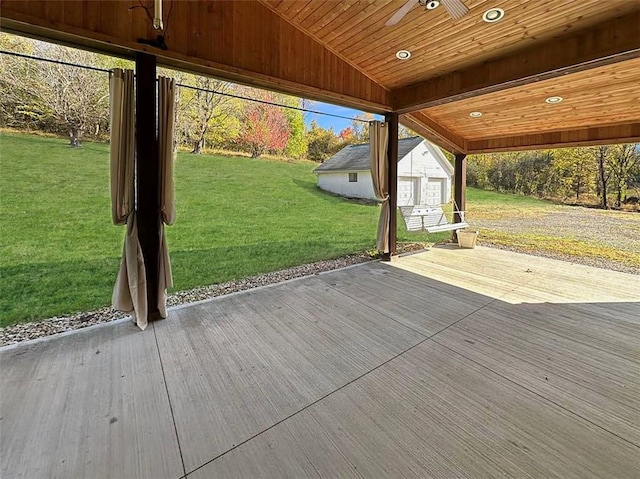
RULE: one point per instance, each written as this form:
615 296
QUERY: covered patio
448 363
435 365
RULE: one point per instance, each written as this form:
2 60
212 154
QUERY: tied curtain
166 119
378 140
130 291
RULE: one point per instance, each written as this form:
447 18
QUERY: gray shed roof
356 157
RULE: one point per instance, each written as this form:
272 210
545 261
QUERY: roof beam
611 41
243 42
598 135
432 131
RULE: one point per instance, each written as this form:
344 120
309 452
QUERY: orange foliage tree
264 128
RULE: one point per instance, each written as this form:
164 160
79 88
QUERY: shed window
353 177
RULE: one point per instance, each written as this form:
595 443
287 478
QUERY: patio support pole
392 158
459 187
147 175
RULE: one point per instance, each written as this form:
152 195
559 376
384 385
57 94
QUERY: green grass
483 204
236 217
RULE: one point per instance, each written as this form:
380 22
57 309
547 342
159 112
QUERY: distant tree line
609 173
53 97
74 102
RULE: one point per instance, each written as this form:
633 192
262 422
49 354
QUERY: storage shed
424 173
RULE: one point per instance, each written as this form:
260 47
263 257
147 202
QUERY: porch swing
431 219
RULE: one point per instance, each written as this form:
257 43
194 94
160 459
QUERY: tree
347 136
534 174
527 172
264 128
202 109
622 161
567 172
360 127
404 132
76 98
576 166
322 144
16 104
502 176
601 153
297 144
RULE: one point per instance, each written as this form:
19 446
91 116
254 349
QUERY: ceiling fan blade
456 8
402 11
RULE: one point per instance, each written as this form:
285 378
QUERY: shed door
435 191
408 191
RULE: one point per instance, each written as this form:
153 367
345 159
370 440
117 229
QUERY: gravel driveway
619 230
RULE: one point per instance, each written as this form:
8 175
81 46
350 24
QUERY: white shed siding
421 162
408 191
435 192
338 182
423 179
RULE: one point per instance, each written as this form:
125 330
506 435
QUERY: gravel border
27 331
59 324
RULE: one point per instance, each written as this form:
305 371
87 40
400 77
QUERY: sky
324 121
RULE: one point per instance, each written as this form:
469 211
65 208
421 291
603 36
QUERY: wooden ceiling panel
355 30
609 42
474 41
601 96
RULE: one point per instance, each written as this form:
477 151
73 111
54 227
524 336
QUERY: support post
459 187
392 174
147 175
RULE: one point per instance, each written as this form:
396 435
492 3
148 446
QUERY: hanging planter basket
467 238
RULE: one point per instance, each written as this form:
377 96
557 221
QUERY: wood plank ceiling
587 52
438 44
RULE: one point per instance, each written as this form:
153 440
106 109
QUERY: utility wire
59 62
265 102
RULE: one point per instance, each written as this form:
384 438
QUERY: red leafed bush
264 128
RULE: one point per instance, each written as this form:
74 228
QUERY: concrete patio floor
448 363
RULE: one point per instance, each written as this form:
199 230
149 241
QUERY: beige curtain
122 145
166 99
378 140
130 291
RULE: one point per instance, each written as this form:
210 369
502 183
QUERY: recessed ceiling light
403 55
475 114
554 99
432 4
493 15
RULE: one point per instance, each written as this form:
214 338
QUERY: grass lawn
484 204
59 252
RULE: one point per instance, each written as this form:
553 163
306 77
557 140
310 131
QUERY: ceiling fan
455 8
